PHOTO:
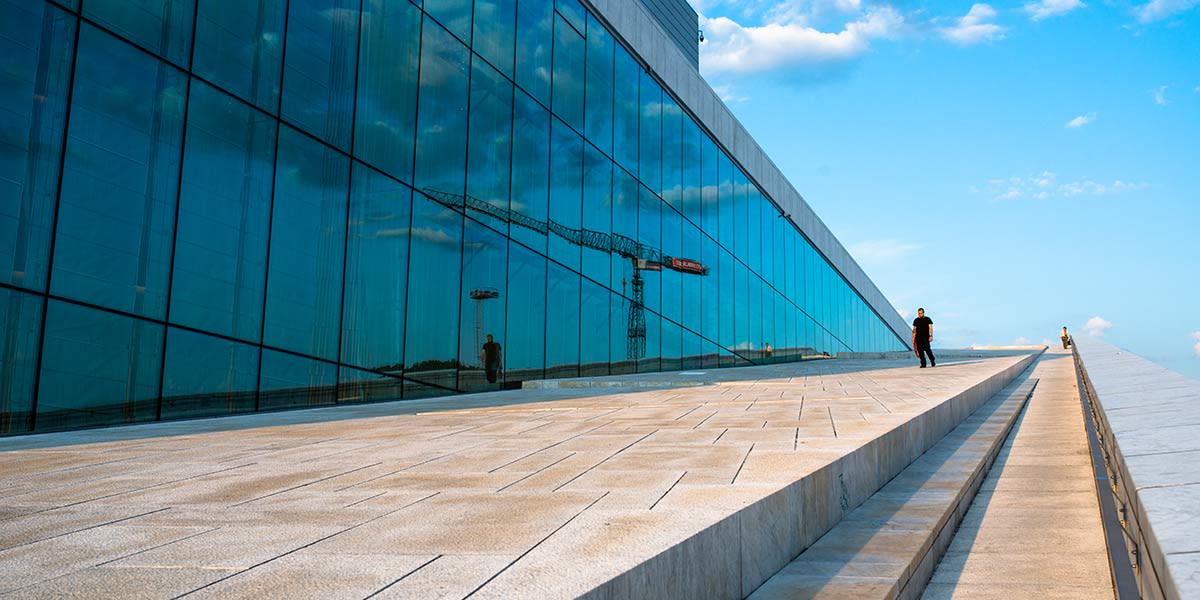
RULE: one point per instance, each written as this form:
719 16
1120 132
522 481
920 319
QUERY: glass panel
435 264
20 325
566 194
524 357
626 75
356 386
651 136
741 217
442 114
672 136
712 355
710 290
672 346
624 229
98 368
599 102
691 171
239 46
308 241
742 309
318 70
121 177
672 280
626 341
490 143
568 74
224 214
779 335
597 212
562 322
593 335
481 335
693 351
290 381
709 194
756 316
725 302
386 113
37 42
692 284
651 359
725 201
204 376
530 172
161 26
650 235
535 21
454 15
573 11
376 271
756 235
810 279
495 32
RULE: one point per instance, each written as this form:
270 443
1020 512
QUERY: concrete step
889 546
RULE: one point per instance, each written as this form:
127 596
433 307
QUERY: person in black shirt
491 359
923 337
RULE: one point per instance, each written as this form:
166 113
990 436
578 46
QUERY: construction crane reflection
641 256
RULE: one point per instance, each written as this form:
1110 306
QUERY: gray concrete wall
681 24
1148 422
642 33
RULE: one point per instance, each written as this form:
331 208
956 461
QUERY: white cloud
1046 185
1196 348
882 250
1096 326
733 48
1157 10
1160 95
1051 8
1091 188
1021 341
1081 120
974 28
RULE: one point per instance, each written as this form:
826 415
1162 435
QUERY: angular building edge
651 43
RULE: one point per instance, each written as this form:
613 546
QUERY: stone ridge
1148 421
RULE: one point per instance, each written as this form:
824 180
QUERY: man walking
923 337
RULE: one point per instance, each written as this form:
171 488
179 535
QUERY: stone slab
611 491
1148 419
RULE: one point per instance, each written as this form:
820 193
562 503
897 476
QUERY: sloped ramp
889 546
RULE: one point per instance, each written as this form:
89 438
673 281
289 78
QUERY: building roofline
633 23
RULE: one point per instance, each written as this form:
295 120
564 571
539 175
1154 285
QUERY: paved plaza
530 493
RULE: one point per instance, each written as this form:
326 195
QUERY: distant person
923 337
1066 338
767 349
491 359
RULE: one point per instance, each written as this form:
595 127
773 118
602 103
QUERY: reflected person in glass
491 358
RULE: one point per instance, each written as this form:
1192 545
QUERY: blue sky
1011 167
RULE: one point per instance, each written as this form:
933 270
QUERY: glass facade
213 207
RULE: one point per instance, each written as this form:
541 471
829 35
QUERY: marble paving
529 493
